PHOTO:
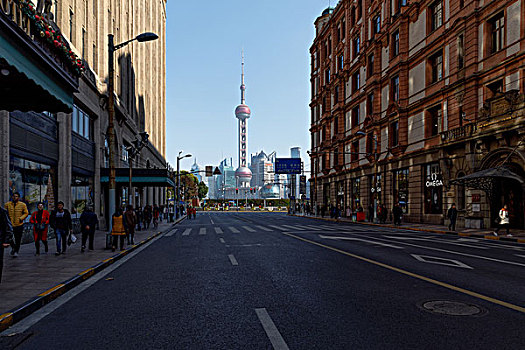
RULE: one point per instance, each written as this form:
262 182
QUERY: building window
336 156
370 65
355 151
327 76
434 120
376 22
359 10
329 45
401 189
355 82
81 123
436 12
433 182
495 87
395 88
124 153
497 32
460 192
395 43
83 43
355 116
94 63
356 47
336 95
461 51
341 61
370 143
348 153
370 104
71 25
343 28
394 134
436 64
401 3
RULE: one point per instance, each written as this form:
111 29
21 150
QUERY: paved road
261 281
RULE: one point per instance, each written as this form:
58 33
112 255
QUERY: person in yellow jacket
118 229
17 211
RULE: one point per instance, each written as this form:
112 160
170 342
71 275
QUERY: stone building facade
65 156
418 94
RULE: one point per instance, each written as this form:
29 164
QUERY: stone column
4 157
64 159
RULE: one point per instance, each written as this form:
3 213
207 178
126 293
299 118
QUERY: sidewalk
517 235
29 276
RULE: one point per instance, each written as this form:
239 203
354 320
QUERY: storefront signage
434 181
476 198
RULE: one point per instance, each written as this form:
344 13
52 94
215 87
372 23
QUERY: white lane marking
218 230
329 228
521 256
233 260
187 232
294 227
440 261
495 245
361 240
222 240
264 228
458 253
171 233
436 240
212 221
202 231
38 315
279 227
234 230
249 229
310 228
271 330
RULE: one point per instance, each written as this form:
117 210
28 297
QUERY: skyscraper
242 112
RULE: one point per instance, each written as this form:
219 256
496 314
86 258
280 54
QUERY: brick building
418 94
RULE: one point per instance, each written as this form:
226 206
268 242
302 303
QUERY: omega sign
435 181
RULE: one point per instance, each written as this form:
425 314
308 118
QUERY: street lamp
374 184
134 151
314 199
111 114
179 157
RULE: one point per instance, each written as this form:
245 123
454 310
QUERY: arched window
460 193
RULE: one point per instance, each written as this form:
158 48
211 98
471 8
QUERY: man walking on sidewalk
504 220
17 211
6 236
88 224
131 221
452 215
61 222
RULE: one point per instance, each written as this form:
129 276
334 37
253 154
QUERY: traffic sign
288 165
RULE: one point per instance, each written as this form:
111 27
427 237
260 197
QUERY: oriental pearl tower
242 112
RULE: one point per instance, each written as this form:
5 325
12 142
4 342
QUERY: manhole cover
454 308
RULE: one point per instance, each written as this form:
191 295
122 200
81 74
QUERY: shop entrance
510 192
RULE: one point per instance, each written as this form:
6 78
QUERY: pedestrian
140 217
147 213
118 229
171 211
156 214
40 221
131 220
60 221
370 213
452 215
504 220
397 212
194 213
6 236
17 211
88 225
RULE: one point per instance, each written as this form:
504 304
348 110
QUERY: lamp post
315 166
134 151
374 184
179 157
111 114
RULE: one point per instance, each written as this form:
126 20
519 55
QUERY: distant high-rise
242 112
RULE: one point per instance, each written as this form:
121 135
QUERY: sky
204 43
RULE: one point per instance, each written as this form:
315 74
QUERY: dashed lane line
271 330
222 240
186 232
249 229
233 260
294 227
279 228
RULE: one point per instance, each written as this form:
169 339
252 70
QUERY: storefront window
433 183
34 182
81 195
401 189
356 197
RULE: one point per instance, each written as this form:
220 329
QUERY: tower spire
243 87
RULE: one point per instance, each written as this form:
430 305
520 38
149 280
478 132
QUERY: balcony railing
458 133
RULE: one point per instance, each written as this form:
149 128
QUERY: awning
486 179
30 80
140 177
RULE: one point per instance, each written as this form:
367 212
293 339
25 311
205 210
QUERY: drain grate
452 308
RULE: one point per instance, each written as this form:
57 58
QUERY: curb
462 234
20 312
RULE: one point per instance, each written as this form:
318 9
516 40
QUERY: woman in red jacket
40 221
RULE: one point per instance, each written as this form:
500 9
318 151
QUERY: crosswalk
203 231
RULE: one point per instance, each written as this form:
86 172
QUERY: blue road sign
288 165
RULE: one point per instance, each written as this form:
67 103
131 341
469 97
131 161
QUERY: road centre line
271 330
234 230
415 275
218 230
457 253
202 231
233 260
249 229
264 228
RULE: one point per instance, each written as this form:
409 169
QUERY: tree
203 190
189 185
